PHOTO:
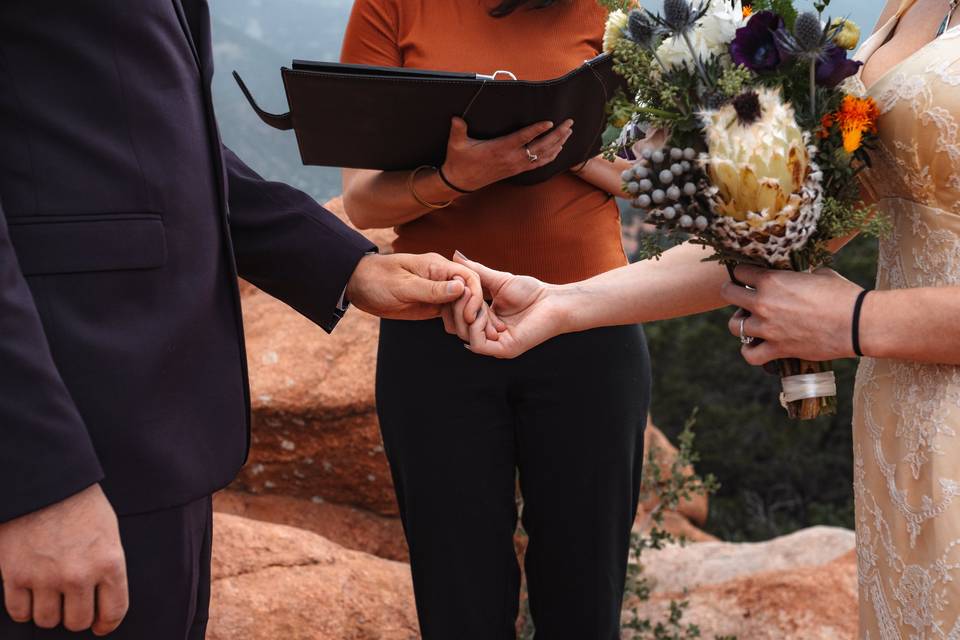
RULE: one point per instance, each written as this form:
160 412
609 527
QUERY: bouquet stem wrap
809 388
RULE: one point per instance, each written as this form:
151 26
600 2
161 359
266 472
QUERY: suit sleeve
46 454
289 246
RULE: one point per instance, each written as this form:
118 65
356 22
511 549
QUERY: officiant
569 416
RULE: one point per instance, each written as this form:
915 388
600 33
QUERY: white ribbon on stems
809 385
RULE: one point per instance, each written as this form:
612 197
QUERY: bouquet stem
809 381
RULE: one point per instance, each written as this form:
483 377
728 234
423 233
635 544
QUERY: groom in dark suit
123 396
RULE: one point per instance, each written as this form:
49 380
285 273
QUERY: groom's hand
413 287
64 565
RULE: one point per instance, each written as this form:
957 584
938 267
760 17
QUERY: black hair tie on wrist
450 184
857 308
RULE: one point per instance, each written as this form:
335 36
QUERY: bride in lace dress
907 413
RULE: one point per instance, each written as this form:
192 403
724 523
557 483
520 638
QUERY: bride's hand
797 315
525 313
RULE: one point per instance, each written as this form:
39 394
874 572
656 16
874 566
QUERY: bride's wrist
568 308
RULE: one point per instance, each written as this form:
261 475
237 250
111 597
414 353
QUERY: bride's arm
531 312
679 284
606 175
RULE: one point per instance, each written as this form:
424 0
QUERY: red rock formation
315 430
802 586
347 526
272 582
805 603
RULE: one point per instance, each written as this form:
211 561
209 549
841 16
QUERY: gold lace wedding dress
907 415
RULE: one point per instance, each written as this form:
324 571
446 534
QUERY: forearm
919 325
605 175
289 246
679 284
383 199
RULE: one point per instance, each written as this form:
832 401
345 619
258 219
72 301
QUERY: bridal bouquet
762 142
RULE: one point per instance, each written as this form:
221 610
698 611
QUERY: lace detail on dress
907 414
923 594
918 157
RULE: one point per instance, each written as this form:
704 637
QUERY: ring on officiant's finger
744 338
531 155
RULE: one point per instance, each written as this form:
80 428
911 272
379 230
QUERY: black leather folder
397 119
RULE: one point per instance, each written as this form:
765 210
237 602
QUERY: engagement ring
533 157
744 338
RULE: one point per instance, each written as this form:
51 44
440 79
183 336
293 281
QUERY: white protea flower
615 30
710 38
768 194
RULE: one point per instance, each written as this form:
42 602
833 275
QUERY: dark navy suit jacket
123 226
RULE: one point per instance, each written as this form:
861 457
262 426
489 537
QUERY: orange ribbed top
560 231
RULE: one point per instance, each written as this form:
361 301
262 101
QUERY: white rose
719 26
710 38
674 52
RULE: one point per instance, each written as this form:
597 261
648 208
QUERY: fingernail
457 254
454 287
459 279
467 347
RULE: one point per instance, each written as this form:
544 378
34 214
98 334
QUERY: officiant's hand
64 565
474 164
797 315
525 313
413 287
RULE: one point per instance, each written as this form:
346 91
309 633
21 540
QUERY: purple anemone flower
755 46
835 67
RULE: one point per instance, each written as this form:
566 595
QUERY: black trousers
168 569
457 427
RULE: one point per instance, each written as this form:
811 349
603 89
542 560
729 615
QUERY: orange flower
747 11
856 117
826 124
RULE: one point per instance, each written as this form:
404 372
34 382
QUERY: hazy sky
863 12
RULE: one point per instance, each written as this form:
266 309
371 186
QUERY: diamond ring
533 157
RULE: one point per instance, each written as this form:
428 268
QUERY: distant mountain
311 29
256 38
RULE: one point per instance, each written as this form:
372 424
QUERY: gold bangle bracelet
416 196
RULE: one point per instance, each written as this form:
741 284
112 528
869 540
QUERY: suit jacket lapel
188 32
